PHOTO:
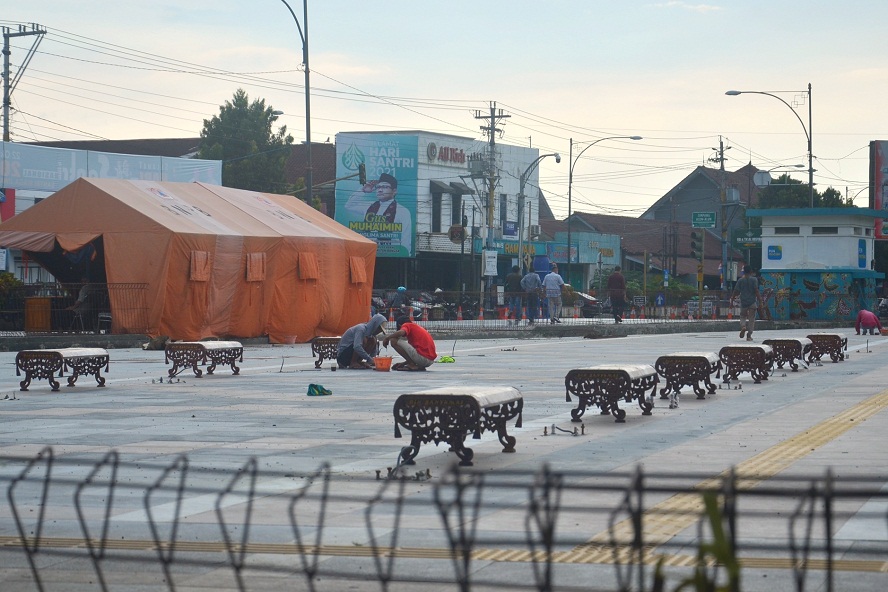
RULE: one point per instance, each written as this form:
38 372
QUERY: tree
253 155
787 192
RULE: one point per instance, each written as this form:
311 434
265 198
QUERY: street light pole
808 130
570 174
303 35
521 197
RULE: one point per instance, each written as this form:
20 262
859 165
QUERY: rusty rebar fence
132 524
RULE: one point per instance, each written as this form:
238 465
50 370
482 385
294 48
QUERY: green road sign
703 219
747 238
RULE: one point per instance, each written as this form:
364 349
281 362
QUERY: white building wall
511 162
807 250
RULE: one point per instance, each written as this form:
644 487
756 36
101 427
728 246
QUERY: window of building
436 211
786 230
456 209
858 231
825 230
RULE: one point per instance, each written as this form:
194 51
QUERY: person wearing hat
399 300
414 343
384 220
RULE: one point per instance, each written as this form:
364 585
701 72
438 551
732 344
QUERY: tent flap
42 242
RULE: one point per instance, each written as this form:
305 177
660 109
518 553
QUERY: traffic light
697 245
362 174
648 260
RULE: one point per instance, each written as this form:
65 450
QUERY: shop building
425 203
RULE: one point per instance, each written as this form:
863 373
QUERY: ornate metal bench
188 354
449 414
605 385
756 359
833 344
324 347
687 369
788 350
44 363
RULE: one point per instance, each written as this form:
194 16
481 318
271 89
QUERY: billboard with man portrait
383 208
879 183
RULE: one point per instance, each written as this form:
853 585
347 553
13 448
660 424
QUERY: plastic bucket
383 363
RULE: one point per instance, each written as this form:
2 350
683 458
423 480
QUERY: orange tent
214 261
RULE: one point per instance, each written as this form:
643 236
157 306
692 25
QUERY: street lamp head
557 158
276 112
635 138
734 93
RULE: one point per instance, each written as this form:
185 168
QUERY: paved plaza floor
827 416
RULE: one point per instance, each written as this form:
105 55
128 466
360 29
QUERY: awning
461 188
439 187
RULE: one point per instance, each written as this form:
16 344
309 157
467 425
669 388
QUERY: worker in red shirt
414 343
868 321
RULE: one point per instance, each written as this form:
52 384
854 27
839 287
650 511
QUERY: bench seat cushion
633 371
802 341
710 357
486 396
751 346
80 352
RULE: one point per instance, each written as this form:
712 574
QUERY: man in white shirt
553 284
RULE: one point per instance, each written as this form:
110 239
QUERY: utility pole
8 83
720 159
491 130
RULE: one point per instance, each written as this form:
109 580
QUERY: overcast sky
561 69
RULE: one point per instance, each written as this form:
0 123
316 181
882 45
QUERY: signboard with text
703 219
747 238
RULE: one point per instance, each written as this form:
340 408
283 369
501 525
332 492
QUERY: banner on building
879 182
384 208
40 168
7 204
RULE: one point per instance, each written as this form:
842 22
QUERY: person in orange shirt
414 343
867 321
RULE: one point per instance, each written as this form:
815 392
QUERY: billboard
40 168
879 182
384 208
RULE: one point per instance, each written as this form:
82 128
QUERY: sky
562 70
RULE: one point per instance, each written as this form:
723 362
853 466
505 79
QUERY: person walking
747 287
553 284
513 292
616 291
531 285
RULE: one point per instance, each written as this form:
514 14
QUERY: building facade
817 263
425 201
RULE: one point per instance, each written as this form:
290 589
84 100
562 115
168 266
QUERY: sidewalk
264 420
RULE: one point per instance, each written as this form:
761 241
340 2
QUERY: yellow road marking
668 518
601 555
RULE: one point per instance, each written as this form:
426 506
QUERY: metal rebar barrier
120 524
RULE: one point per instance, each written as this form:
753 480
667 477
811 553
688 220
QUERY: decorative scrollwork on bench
604 386
449 414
